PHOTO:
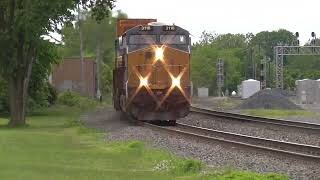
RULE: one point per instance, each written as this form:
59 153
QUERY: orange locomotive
151 79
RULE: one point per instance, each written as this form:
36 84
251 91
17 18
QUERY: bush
69 98
74 99
53 94
187 166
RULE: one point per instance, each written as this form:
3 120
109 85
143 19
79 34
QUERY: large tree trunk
17 100
18 91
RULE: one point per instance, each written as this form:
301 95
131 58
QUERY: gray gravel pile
213 154
253 129
268 99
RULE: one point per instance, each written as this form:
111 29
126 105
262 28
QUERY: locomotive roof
157 28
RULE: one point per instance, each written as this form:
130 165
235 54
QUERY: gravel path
119 128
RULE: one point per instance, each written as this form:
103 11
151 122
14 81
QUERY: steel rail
287 148
279 122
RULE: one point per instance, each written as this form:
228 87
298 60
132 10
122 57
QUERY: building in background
249 87
203 92
308 91
67 76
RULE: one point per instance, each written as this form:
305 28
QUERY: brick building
67 76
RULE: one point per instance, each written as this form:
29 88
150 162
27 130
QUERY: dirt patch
107 120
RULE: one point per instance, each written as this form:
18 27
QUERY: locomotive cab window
142 39
173 39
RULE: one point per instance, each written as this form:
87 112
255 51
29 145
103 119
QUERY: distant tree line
242 54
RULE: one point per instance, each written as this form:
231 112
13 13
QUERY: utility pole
98 70
83 84
252 63
220 76
263 73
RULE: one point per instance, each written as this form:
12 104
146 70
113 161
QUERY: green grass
276 113
55 145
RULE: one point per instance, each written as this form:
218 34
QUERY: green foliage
98 41
205 55
23 25
242 55
106 79
52 94
300 67
68 98
264 41
187 166
73 99
245 175
41 92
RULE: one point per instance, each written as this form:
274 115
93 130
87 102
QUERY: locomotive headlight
144 81
176 82
159 53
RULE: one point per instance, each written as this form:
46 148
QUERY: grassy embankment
55 145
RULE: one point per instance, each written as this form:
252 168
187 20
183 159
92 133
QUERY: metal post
279 67
263 73
83 86
220 75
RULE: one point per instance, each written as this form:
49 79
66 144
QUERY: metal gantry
281 51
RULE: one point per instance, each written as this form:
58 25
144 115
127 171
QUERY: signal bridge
281 51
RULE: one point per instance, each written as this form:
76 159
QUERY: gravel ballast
119 128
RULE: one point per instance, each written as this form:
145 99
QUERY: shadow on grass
8 126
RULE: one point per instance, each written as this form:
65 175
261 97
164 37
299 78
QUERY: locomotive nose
148 55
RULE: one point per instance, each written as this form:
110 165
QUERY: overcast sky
230 16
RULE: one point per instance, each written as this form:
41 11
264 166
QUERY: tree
230 47
98 41
23 24
264 41
39 87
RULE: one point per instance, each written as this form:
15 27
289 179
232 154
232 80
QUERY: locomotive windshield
173 39
142 39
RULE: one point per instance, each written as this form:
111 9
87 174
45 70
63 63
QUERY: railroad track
262 120
291 149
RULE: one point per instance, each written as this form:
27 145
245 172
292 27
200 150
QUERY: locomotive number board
169 28
145 28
